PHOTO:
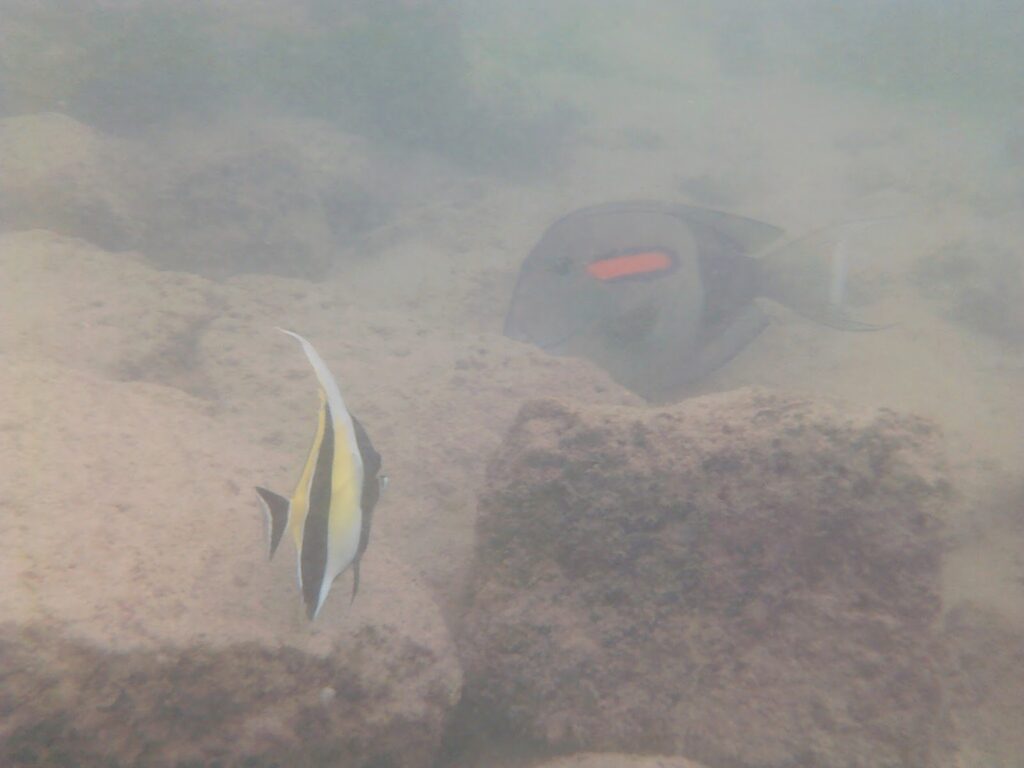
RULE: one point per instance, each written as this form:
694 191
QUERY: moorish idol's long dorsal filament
331 508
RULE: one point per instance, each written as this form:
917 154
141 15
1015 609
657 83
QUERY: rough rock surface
611 760
140 407
64 176
747 579
436 406
979 280
112 314
252 198
286 196
986 680
141 623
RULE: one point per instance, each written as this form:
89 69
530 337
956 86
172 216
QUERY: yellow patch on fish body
346 482
345 519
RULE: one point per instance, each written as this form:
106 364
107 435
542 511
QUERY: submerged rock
61 175
978 282
611 760
986 680
141 623
108 313
436 404
250 213
746 579
248 196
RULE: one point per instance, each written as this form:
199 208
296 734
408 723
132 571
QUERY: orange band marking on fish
630 264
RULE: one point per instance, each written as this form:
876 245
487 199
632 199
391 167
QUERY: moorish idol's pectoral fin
355 581
276 508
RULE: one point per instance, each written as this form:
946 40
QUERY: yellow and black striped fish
332 507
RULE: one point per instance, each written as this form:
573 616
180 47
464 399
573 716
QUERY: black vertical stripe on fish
314 533
369 495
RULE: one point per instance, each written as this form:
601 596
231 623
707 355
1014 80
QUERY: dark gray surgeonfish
661 294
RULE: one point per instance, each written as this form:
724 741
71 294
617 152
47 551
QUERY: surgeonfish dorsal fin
277 509
748 234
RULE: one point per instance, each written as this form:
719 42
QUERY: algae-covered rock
110 313
747 579
436 404
612 760
249 211
978 281
141 623
986 677
254 194
61 175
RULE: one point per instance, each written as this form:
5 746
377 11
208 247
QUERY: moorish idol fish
662 294
332 506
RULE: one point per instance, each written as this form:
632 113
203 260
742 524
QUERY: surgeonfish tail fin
276 508
811 275
355 581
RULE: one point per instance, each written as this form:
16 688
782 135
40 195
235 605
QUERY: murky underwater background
177 179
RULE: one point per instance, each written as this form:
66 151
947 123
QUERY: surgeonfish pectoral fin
839 320
858 326
276 508
382 482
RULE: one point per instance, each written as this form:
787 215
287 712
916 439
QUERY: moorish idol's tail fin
811 275
276 508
